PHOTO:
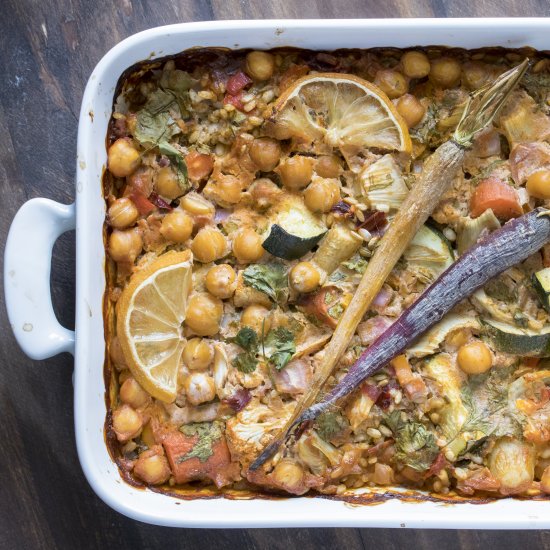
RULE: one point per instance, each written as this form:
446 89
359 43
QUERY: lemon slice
151 311
342 111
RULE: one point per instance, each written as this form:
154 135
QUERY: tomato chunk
143 204
218 467
199 165
237 83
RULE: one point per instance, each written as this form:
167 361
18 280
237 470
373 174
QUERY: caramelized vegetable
436 177
498 196
511 244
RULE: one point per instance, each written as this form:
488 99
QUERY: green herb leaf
245 362
487 401
356 263
247 339
336 311
281 346
150 129
426 130
208 433
271 279
330 425
178 82
337 276
159 101
176 158
537 86
154 122
415 445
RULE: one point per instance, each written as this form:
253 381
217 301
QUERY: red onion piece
372 328
383 298
159 202
294 378
238 400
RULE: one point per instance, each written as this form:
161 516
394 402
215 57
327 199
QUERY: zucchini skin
509 245
541 288
282 244
526 345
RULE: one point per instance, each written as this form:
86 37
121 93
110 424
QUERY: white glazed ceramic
40 222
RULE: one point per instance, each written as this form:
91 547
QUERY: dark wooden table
47 51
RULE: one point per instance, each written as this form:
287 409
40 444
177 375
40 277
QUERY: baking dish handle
27 265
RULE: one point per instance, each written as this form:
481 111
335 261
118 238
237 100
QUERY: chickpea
328 166
152 466
204 313
117 355
391 82
289 474
127 423
538 184
122 158
198 354
304 277
410 108
197 205
227 189
133 394
177 226
296 172
168 184
474 358
322 194
256 317
265 193
123 213
415 64
220 281
208 245
474 75
265 153
199 388
545 480
125 245
445 72
247 246
260 65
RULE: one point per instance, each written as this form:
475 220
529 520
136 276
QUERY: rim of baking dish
102 474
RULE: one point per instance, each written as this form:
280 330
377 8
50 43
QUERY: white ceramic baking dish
41 221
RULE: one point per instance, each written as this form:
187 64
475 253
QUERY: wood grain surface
47 50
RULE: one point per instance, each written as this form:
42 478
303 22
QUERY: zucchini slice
541 282
429 253
518 341
294 230
430 342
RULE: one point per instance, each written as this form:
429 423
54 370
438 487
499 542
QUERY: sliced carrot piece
499 196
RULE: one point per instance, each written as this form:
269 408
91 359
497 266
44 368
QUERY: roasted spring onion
439 172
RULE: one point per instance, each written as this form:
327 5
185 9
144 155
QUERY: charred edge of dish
187 60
